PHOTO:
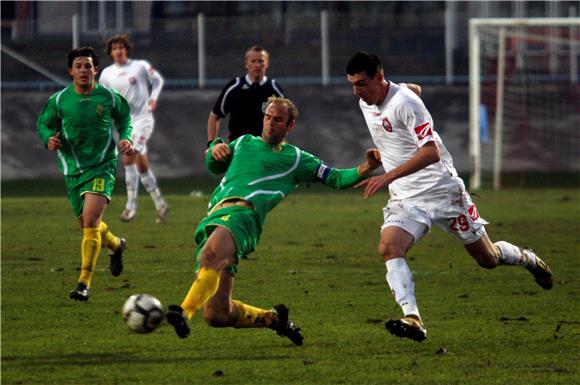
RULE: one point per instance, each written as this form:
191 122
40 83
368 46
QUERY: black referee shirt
246 104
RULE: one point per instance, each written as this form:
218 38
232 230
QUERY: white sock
150 184
132 184
400 281
512 255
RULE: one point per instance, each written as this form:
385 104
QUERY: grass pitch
318 256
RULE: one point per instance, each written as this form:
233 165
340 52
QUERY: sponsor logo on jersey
245 87
423 131
387 125
473 214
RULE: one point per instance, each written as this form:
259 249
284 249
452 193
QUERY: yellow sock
252 317
90 249
202 289
108 239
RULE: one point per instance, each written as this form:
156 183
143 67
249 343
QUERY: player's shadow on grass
95 359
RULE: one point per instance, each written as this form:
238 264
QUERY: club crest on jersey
387 125
100 109
132 80
423 131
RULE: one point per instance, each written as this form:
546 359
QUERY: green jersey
263 174
86 126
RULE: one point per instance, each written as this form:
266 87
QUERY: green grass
318 255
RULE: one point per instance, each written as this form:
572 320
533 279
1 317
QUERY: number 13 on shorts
99 184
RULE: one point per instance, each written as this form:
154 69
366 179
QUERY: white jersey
133 80
399 127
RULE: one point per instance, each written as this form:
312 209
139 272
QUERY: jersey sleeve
121 113
221 107
214 166
48 122
416 119
312 169
155 79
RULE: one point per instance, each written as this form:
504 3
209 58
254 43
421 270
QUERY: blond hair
292 109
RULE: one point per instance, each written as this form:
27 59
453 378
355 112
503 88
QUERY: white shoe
162 213
127 215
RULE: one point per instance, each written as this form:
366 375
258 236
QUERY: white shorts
453 213
142 129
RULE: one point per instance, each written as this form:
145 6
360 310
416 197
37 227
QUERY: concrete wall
330 125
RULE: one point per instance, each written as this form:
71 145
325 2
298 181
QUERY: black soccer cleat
284 327
80 293
408 327
116 263
176 318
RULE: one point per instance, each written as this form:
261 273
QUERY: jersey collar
250 82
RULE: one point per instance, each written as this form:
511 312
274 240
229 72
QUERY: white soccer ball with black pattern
143 313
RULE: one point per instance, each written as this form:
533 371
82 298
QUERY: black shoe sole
78 297
294 333
400 329
179 322
545 282
116 262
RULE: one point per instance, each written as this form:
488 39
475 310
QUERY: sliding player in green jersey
77 123
259 173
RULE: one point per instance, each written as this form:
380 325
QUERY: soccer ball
142 313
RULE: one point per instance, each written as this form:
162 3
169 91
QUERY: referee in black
244 98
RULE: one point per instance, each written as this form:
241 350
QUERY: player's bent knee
216 319
390 251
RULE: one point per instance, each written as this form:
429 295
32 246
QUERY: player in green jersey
77 123
259 173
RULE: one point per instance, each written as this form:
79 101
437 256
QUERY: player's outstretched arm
426 155
372 162
344 178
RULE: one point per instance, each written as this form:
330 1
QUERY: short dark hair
364 62
118 39
255 48
83 52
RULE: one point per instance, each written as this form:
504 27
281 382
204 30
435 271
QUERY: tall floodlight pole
324 47
201 59
75 31
474 97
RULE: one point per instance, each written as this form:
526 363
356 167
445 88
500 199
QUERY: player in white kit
424 190
141 85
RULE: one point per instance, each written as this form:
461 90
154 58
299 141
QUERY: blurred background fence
201 44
